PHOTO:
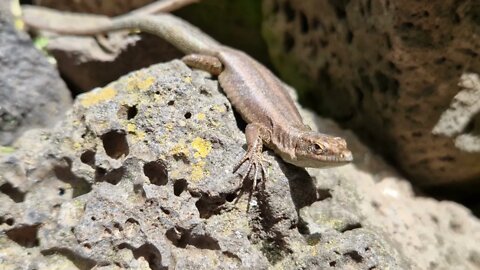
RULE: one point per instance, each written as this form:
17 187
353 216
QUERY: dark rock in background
85 64
32 94
388 69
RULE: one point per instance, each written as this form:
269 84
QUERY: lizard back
257 94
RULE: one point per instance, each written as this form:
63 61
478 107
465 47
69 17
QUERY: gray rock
32 95
390 70
86 64
139 175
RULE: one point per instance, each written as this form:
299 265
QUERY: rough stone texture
86 64
139 176
388 69
32 94
464 107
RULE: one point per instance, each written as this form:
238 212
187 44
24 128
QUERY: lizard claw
255 162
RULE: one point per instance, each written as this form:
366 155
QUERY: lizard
255 92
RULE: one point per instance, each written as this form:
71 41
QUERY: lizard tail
176 31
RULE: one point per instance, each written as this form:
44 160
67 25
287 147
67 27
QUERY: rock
463 109
32 95
139 176
87 64
389 70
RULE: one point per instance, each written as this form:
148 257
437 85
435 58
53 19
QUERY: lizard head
319 150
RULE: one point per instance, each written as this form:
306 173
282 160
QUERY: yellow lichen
161 139
202 147
16 11
198 171
201 116
132 129
187 79
158 99
219 108
138 82
97 96
144 84
141 135
169 126
179 148
77 146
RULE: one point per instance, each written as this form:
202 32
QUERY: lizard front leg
253 156
254 133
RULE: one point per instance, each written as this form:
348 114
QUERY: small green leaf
40 43
6 149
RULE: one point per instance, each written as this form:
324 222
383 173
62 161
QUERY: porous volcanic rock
139 175
388 69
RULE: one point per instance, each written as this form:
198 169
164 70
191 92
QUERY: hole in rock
115 144
112 177
156 172
26 236
88 157
132 221
117 226
473 126
355 256
350 227
14 193
8 221
179 186
165 210
288 42
209 206
230 197
127 112
303 23
289 11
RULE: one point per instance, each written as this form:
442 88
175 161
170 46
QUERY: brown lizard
255 92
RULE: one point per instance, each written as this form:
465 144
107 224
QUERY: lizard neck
284 140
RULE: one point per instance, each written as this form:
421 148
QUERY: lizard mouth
322 162
319 161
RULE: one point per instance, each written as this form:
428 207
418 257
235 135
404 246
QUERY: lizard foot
253 157
255 161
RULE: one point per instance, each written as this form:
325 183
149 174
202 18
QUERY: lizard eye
317 147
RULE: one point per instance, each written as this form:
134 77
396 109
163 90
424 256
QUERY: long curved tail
176 31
